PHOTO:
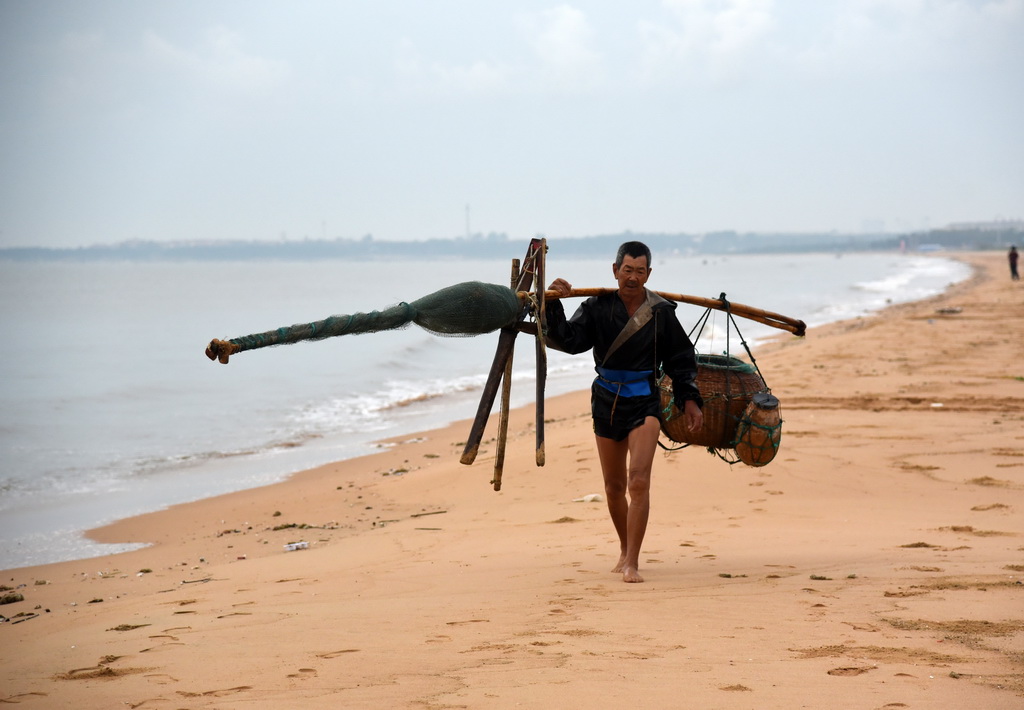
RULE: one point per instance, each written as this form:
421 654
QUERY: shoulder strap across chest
638 321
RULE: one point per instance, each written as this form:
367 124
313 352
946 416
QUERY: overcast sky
256 120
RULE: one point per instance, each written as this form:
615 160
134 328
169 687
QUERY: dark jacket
598 321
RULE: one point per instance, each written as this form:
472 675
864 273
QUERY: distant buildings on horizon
994 234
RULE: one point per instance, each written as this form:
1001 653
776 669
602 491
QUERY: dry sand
876 563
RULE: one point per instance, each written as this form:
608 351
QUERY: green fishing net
465 309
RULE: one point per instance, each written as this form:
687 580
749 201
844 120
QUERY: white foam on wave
912 279
372 411
915 279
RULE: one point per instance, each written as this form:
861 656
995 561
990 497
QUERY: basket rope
734 365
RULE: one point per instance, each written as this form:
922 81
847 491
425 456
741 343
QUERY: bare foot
630 574
620 564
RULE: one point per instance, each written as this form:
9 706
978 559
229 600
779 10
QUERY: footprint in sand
161 647
303 673
160 678
335 654
219 693
862 627
851 670
148 702
100 671
15 699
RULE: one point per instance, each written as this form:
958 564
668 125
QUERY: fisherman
634 334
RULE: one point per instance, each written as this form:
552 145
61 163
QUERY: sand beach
877 562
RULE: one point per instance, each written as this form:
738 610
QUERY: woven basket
760 430
727 385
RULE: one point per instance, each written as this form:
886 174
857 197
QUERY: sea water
110 407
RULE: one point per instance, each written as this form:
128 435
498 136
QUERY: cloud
715 41
220 62
874 36
560 56
562 39
707 39
435 76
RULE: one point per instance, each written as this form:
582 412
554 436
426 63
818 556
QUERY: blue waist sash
626 383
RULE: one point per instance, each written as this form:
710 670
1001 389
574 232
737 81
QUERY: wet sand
877 562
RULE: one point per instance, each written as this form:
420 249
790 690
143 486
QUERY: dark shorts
614 419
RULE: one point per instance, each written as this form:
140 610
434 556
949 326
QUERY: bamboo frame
775 320
502 355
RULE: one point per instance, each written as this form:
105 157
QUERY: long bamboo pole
506 395
775 320
542 353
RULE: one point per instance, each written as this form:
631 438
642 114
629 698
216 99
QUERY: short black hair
635 250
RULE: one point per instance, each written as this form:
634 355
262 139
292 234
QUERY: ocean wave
70 481
155 465
923 276
368 412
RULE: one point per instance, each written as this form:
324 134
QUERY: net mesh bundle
470 308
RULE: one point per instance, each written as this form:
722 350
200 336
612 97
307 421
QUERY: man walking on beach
1012 258
634 333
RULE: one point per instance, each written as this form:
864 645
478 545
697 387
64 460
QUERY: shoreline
99 534
40 530
877 560
110 532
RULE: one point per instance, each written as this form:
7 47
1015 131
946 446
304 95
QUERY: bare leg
612 455
629 517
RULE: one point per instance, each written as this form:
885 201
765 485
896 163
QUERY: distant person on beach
633 333
1012 258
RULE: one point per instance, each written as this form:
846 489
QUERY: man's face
632 274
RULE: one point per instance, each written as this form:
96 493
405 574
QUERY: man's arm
568 336
679 360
